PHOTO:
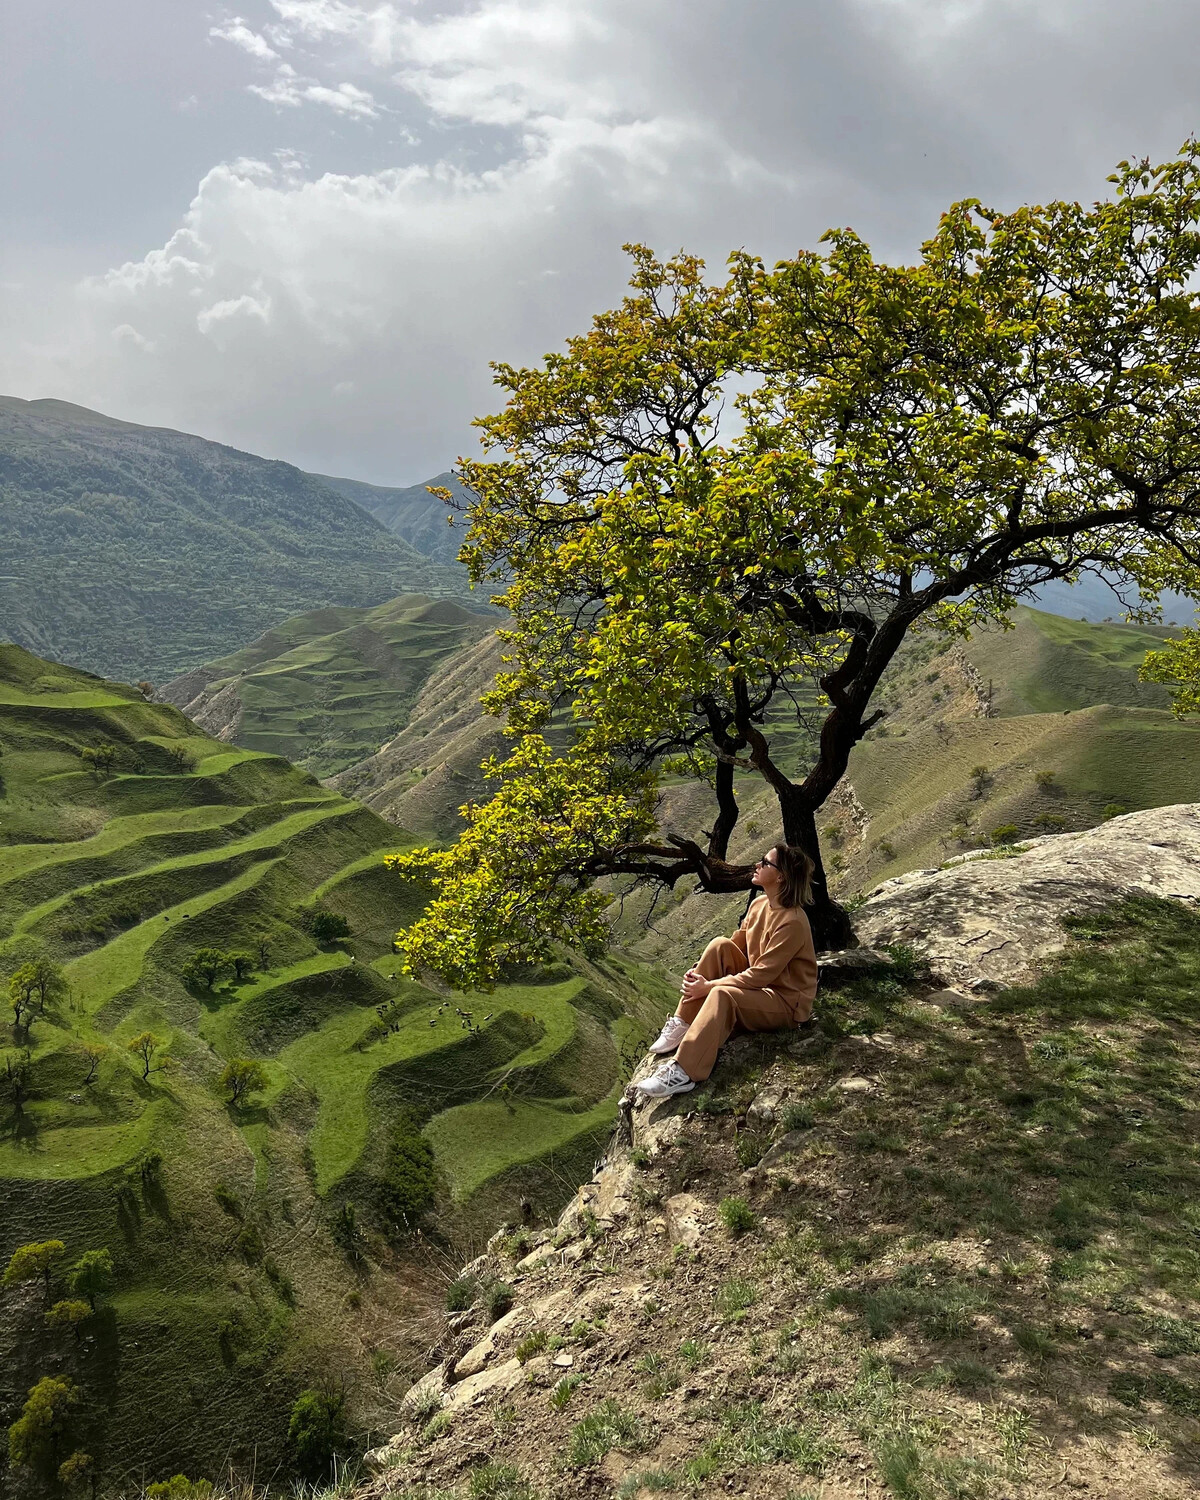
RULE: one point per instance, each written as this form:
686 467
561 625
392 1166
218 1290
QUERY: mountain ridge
143 552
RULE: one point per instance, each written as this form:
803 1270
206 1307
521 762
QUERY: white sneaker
674 1030
666 1080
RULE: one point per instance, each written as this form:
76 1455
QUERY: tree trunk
831 925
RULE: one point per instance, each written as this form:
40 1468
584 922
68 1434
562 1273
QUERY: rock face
995 919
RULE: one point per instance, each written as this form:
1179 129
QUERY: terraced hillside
327 688
254 1244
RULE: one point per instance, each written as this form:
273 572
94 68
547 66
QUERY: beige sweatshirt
780 956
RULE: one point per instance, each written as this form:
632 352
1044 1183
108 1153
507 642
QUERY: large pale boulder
995 919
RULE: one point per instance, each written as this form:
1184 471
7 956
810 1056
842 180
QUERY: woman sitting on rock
763 978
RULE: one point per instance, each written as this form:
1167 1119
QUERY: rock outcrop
994 919
824 1213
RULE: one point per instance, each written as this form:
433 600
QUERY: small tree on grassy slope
29 1262
242 1076
240 963
37 983
144 1046
915 448
91 1275
16 1079
69 1313
36 1438
204 967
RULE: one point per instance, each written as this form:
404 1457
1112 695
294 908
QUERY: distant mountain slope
142 552
327 688
237 1281
420 518
423 776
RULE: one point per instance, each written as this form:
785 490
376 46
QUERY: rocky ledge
984 917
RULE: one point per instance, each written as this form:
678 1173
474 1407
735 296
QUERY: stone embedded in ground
478 1355
536 1258
997 919
844 965
767 1106
494 1380
855 1085
786 1145
662 1136
685 1215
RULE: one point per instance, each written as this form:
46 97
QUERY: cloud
239 35
345 318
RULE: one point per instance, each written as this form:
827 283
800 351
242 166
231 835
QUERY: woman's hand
695 986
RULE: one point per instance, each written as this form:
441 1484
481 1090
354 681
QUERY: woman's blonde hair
796 870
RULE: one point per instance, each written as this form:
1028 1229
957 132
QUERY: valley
254 1240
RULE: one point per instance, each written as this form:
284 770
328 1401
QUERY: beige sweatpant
711 1020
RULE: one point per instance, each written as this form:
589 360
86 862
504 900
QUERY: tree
78 1468
37 982
99 757
240 963
915 448
69 1313
317 1430
35 1438
264 953
144 1046
94 1053
203 967
91 1275
241 1076
15 1082
28 1262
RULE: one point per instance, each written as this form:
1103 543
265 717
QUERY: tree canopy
720 511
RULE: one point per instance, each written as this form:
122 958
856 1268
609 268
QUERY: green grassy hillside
236 1280
141 553
1052 714
328 688
1070 735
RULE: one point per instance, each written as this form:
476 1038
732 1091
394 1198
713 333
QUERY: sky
305 227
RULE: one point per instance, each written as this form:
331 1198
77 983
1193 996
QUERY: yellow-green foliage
916 449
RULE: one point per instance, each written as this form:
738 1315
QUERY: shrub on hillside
407 1186
737 1216
317 1430
323 925
1005 833
461 1293
204 967
1113 810
179 1487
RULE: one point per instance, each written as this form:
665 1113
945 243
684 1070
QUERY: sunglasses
770 863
